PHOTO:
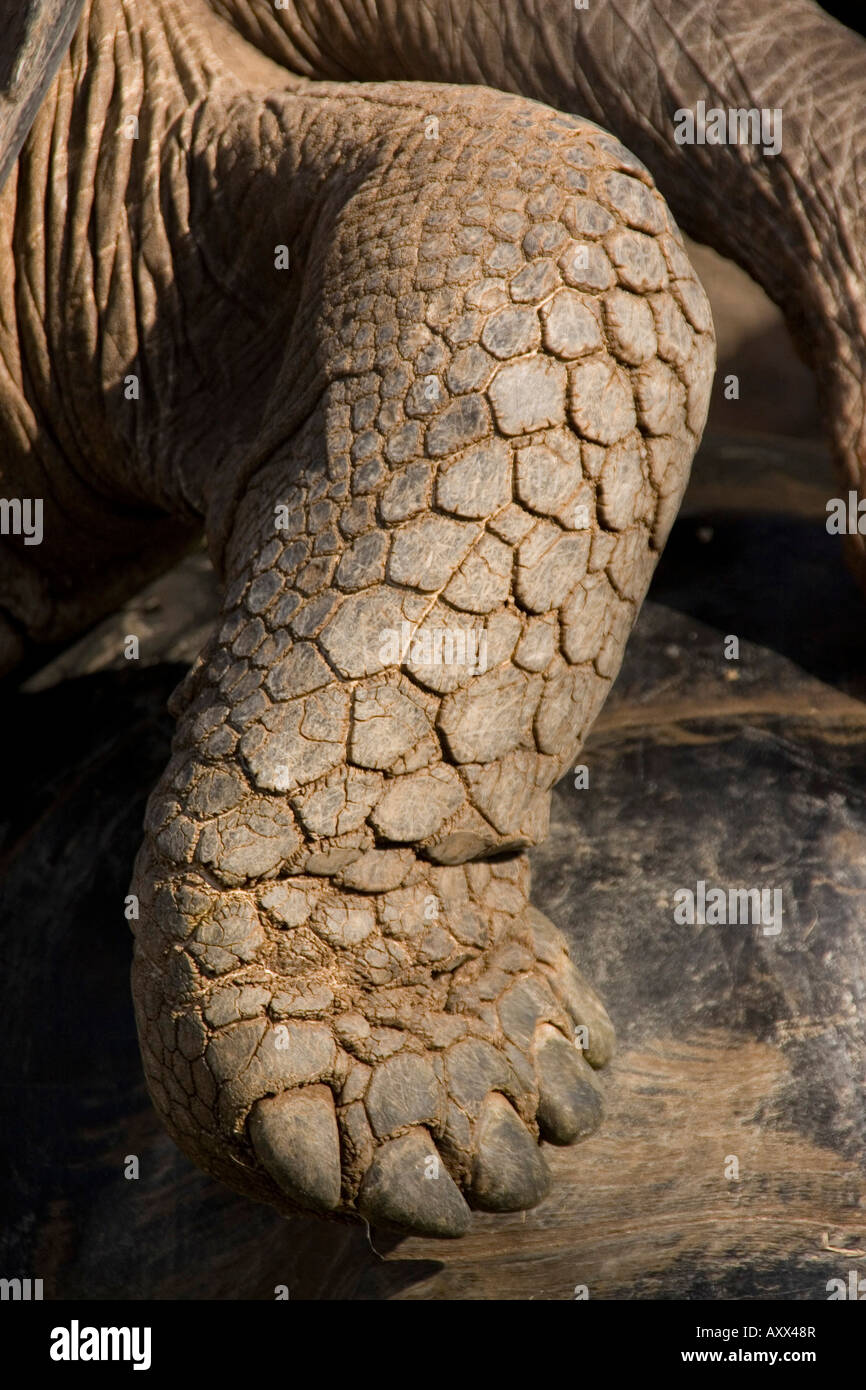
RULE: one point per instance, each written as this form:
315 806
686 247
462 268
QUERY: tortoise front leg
345 999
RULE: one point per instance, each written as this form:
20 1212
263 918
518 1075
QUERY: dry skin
425 360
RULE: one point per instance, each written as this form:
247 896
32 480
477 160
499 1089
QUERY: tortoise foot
398 1056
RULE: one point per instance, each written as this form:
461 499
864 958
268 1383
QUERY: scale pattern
345 999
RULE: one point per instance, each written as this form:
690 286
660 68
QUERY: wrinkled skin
420 358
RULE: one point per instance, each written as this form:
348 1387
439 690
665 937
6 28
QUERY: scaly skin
471 404
793 221
316 784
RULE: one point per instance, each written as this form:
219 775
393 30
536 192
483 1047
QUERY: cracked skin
470 405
